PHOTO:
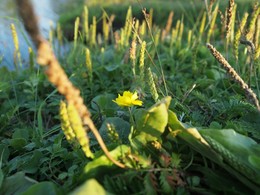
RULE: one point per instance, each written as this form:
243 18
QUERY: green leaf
1 177
175 124
18 143
63 175
167 188
40 121
192 137
90 186
121 126
112 67
242 150
254 161
231 145
239 145
4 153
16 184
32 165
150 184
21 133
151 123
43 188
193 181
103 104
92 168
108 55
220 181
215 125
214 74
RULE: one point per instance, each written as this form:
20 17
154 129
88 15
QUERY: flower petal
137 102
134 96
128 99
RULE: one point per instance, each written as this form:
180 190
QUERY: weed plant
183 122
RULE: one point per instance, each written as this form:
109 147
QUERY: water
47 13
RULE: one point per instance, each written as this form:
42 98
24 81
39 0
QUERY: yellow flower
128 99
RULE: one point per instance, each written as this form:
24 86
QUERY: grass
162 10
196 131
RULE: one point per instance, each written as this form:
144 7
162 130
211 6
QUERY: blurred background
51 12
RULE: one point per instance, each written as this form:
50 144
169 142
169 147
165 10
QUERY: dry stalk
229 14
56 74
168 26
249 92
211 5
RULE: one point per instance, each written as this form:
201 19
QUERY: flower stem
131 116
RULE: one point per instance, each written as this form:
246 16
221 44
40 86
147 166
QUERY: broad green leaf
151 123
254 161
243 148
198 143
103 104
154 120
18 143
175 124
21 133
239 145
90 186
43 188
16 184
214 74
192 137
92 167
230 143
121 126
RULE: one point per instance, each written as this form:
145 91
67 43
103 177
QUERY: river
47 12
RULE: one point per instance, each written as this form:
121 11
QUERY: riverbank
48 14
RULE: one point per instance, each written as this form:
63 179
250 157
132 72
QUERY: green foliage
119 126
102 160
42 188
151 123
236 149
201 136
102 105
16 184
90 186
